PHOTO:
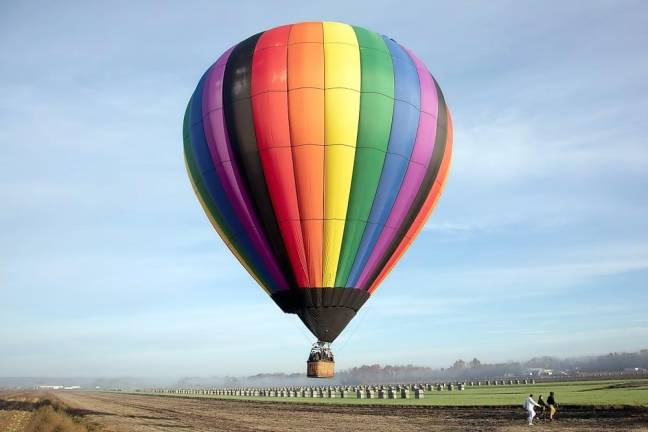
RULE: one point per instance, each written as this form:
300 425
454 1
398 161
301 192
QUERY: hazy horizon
620 361
538 246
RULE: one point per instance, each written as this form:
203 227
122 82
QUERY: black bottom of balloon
325 311
326 323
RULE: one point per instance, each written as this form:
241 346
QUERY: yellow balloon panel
341 57
341 113
333 234
339 168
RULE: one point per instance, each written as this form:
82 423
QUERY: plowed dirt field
142 413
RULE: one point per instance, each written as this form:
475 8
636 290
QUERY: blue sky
108 266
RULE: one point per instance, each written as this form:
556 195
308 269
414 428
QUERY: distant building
635 371
539 372
57 387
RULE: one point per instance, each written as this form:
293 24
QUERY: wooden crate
320 369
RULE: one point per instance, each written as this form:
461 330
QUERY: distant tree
474 364
459 365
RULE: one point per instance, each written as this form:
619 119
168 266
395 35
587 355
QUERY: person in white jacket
529 405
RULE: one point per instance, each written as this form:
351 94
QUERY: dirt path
139 413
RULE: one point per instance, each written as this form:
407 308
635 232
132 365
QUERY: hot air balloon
318 151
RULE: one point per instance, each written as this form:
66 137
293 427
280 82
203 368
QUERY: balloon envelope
318 151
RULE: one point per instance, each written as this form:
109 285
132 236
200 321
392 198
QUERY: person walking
553 405
543 408
529 405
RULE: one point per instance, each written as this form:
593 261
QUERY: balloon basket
320 369
320 362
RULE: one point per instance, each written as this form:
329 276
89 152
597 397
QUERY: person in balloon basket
530 405
553 405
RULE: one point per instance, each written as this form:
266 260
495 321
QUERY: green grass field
602 393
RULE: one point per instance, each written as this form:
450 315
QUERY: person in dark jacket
553 405
542 408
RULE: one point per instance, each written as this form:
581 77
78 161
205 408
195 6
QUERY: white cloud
516 277
512 149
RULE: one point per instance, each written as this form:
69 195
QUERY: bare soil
116 412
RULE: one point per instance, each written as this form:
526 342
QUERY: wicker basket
320 369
